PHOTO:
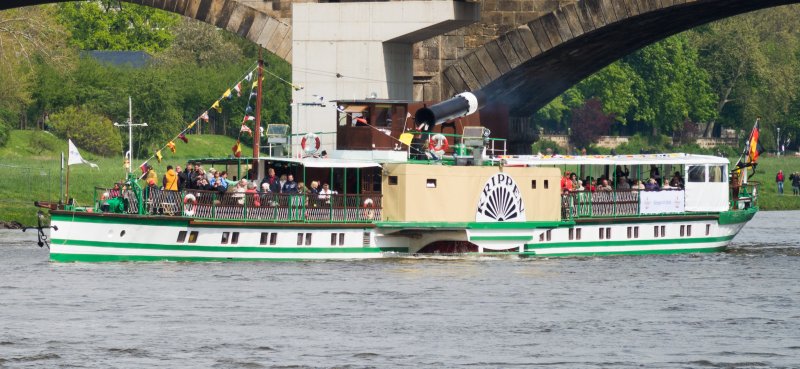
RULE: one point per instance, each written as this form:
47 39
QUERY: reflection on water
734 309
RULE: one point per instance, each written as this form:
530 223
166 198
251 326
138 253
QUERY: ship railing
334 208
587 204
743 196
106 198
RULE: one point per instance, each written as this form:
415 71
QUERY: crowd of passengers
194 177
571 183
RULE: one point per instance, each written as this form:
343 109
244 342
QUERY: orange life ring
438 143
189 204
304 143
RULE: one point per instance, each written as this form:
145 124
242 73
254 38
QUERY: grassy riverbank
30 171
30 167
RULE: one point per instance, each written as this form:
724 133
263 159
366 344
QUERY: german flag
754 148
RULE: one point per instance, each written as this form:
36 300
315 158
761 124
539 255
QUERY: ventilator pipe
458 106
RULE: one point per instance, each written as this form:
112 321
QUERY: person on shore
779 179
795 178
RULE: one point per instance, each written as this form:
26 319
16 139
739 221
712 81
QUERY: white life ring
438 143
369 209
189 204
310 149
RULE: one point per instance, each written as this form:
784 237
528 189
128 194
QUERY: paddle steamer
401 189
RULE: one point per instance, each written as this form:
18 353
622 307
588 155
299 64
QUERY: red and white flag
204 116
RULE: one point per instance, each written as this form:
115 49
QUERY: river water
735 309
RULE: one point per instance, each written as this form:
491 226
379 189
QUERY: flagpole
257 128
67 197
61 182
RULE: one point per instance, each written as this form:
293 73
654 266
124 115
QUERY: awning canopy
325 162
643 159
355 108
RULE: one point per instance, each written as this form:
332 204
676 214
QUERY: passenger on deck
676 181
325 194
272 181
252 193
622 171
622 183
566 183
655 174
605 186
170 179
151 174
114 192
589 184
574 179
639 185
314 190
290 186
282 181
651 185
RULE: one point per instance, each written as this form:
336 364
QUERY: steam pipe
458 106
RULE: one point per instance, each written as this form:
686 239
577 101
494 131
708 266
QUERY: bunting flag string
204 116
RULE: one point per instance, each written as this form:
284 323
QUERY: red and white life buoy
369 209
438 143
189 204
305 143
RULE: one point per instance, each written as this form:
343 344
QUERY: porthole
122 233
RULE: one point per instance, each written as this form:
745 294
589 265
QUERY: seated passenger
651 185
622 183
639 185
605 186
676 181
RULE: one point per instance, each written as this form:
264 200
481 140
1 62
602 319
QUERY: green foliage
638 144
113 25
87 130
589 123
4 133
541 146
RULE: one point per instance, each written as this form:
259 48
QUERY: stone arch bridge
523 53
535 62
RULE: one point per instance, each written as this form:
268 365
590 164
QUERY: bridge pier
361 49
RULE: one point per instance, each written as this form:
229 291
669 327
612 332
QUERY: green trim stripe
662 241
636 252
187 247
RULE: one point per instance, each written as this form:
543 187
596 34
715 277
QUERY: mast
257 128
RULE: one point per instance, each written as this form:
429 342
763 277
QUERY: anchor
43 239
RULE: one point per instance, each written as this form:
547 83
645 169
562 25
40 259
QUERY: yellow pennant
226 94
159 156
171 146
191 125
217 107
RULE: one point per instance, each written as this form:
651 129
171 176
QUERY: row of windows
268 238
604 233
431 182
633 232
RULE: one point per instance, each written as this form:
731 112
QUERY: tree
110 25
91 131
588 123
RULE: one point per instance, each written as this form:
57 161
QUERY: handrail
249 206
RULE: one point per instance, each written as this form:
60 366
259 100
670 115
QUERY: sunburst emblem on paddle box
501 201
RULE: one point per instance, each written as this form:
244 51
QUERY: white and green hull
94 237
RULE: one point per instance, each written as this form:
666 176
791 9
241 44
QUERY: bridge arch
534 63
235 16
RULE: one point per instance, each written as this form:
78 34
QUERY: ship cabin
385 170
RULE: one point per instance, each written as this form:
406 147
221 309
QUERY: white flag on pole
75 156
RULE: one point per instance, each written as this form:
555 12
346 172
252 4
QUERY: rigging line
339 75
252 69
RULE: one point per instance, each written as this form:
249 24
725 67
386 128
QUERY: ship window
708 229
299 239
393 180
365 240
608 233
715 173
655 231
689 230
264 238
308 239
578 234
235 238
431 183
697 173
546 184
541 237
333 239
683 230
193 237
549 234
181 237
383 118
341 239
273 238
630 232
225 236
533 184
571 234
636 232
663 231
602 233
